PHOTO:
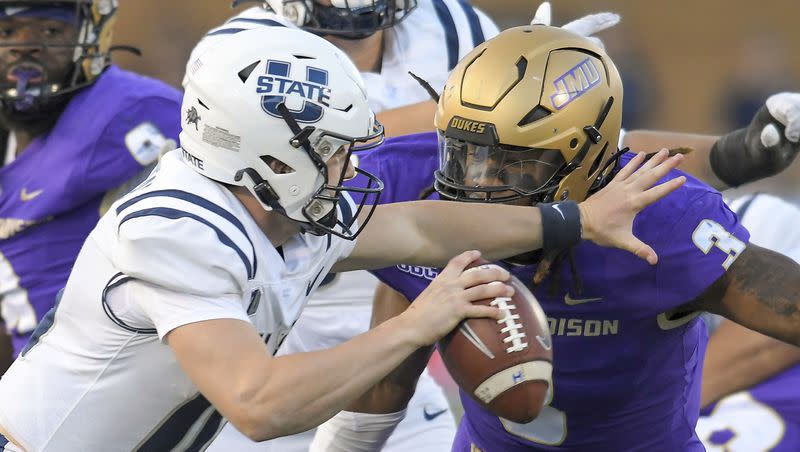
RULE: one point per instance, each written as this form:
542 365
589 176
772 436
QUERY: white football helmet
266 108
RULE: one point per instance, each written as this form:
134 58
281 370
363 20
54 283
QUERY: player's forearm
696 163
429 233
761 291
306 389
393 392
738 358
448 228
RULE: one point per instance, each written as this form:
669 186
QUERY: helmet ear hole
538 112
277 166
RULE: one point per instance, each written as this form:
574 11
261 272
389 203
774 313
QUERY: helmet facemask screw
325 149
290 11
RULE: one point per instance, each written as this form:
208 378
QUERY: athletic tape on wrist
351 431
561 225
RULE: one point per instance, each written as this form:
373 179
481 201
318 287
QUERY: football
505 365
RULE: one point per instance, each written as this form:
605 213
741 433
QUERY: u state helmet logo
278 84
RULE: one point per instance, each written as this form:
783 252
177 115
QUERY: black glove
764 148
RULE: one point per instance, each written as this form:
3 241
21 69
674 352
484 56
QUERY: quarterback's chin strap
350 431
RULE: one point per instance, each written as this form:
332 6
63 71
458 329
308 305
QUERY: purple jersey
52 192
627 366
765 417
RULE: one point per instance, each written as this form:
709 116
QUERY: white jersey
429 43
180 249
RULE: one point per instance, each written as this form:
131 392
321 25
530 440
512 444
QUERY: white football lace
512 328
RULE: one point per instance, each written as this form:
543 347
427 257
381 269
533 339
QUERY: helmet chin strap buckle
301 137
261 188
593 134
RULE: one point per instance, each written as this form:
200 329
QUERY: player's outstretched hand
607 216
586 26
448 298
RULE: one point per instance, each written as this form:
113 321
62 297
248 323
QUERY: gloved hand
785 108
585 26
767 146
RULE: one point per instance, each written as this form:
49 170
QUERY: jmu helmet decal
277 85
574 83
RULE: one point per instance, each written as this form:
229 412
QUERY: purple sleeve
700 247
409 280
131 141
405 165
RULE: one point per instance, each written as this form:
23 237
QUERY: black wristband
561 225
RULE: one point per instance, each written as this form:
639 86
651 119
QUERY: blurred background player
74 127
749 395
538 150
385 39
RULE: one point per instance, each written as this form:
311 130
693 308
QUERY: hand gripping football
504 365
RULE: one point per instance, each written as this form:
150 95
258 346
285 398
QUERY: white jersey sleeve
142 304
183 243
182 256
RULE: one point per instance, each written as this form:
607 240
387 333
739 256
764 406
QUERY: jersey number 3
710 234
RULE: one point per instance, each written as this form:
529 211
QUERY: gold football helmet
533 113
